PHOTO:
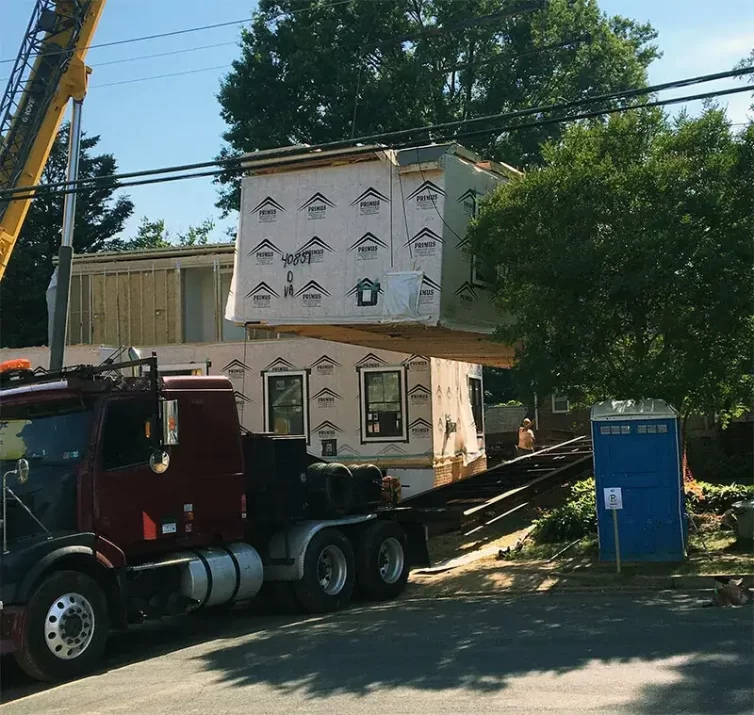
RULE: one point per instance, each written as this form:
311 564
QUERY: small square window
651 429
625 429
662 429
560 405
641 429
615 429
605 429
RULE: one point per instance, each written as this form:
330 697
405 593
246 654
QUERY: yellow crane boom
48 72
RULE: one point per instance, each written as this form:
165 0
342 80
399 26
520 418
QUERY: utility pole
62 276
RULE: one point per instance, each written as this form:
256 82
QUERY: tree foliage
313 72
155 234
100 216
627 263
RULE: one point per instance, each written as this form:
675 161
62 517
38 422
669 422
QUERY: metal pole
65 254
5 514
617 540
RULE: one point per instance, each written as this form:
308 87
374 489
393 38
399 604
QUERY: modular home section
368 247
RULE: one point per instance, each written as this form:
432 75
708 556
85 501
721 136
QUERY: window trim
479 428
403 400
180 368
304 375
556 411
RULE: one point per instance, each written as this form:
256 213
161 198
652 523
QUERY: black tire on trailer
381 561
329 573
66 629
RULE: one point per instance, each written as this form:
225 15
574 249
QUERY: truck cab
127 497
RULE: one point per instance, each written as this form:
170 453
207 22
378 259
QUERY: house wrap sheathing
439 440
368 246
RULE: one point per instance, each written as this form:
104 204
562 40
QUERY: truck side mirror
169 422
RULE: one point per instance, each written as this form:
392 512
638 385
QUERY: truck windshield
58 438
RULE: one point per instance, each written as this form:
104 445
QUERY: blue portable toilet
637 448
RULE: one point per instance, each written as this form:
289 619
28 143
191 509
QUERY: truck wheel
329 573
381 563
67 626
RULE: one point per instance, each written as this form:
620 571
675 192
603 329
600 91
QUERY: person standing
526 438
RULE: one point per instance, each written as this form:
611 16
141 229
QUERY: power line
96 65
377 138
189 170
160 76
188 30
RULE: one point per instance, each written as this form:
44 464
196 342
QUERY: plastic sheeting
402 296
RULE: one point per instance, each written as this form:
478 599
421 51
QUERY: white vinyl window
286 408
383 404
560 405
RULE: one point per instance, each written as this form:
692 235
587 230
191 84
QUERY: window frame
554 409
304 375
105 417
402 399
479 428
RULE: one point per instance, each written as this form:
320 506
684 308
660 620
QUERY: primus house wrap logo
317 206
370 360
417 363
370 202
316 248
420 428
424 243
235 369
264 253
261 296
429 291
311 294
268 210
419 395
467 296
326 398
426 195
368 247
324 366
326 430
279 364
470 200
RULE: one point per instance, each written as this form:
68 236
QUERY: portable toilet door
637 448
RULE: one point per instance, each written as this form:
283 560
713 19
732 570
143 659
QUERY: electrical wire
188 30
160 76
387 136
226 165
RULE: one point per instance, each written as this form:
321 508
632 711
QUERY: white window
560 405
383 408
286 408
477 403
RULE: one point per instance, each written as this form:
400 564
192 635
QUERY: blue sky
176 120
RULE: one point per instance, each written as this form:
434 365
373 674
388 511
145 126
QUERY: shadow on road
473 645
451 646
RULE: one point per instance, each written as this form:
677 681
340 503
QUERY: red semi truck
134 497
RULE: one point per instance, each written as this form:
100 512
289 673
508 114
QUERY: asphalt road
535 654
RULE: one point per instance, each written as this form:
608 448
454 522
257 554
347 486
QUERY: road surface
567 653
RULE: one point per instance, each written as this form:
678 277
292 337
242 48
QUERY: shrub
715 499
572 520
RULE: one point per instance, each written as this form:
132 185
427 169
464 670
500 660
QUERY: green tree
627 262
100 216
154 234
311 72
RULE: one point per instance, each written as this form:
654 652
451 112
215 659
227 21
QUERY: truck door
134 505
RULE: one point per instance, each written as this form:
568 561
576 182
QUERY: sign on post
614 503
613 498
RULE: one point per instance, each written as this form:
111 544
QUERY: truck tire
381 563
66 629
329 573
